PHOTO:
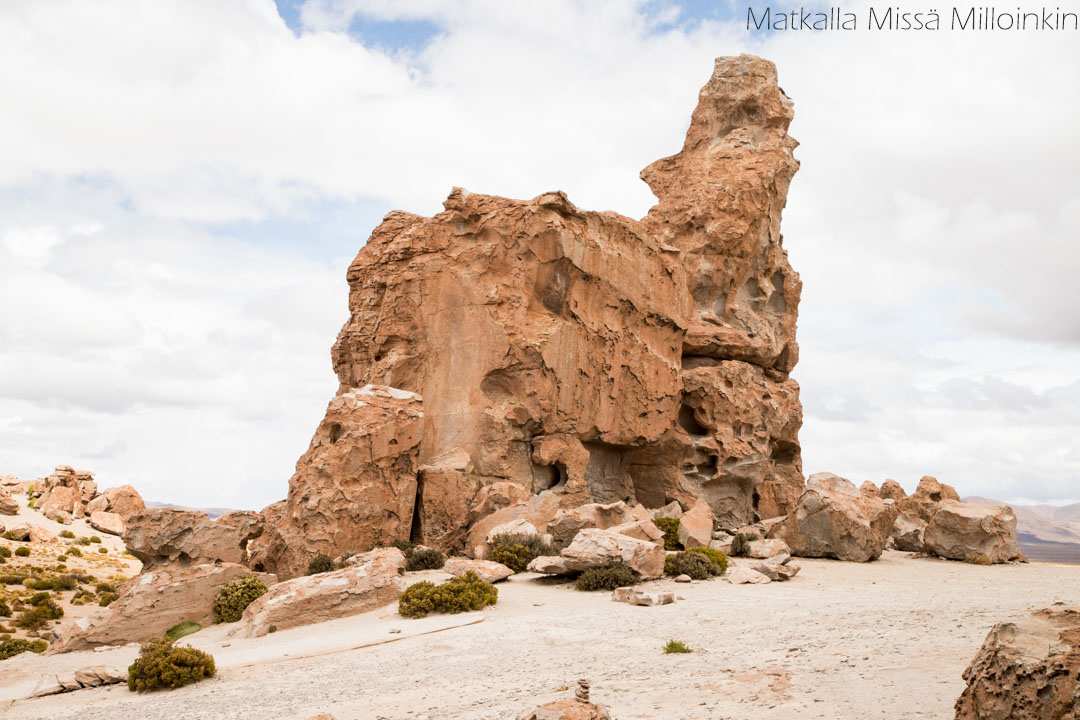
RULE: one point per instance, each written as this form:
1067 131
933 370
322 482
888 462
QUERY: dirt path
882 640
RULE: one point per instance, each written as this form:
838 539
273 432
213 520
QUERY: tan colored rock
672 510
487 570
833 519
19 531
123 501
891 490
151 603
189 537
764 549
538 511
959 531
62 498
640 529
519 526
1026 670
41 535
59 516
603 548
637 596
549 565
107 522
569 709
908 531
696 525
777 571
97 675
586 356
8 504
355 487
743 575
869 488
568 523
370 581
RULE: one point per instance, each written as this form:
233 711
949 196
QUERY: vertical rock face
580 354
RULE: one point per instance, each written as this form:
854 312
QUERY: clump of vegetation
42 610
74 551
319 564
517 550
740 546
67 534
54 582
5 609
717 556
106 599
676 647
61 558
5 551
183 629
978 559
13 647
95 539
22 551
424 558
10 535
234 597
161 664
104 587
404 546
696 565
670 528
607 578
103 550
83 540
461 594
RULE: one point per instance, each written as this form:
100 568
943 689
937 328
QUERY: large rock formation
165 536
582 355
975 533
1026 670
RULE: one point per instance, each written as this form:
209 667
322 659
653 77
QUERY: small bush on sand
104 587
320 564
740 546
423 558
82 541
74 551
607 578
234 597
5 551
461 594
164 665
696 565
55 582
106 599
5 609
103 550
22 551
183 629
516 551
67 534
675 647
39 615
95 539
11 648
670 528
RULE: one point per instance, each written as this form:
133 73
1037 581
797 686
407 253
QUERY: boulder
588 357
487 570
63 498
8 504
891 490
777 571
768 548
96 675
743 575
640 529
907 532
43 536
926 499
603 548
107 522
567 523
672 510
514 527
1026 670
833 519
370 581
696 525
356 486
189 537
59 516
959 531
869 488
637 596
123 501
569 709
538 511
19 531
549 565
151 603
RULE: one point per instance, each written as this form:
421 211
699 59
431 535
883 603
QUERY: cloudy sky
183 184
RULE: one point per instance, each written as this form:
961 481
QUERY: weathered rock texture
164 536
579 354
1026 670
959 531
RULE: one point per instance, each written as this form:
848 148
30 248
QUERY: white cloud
934 219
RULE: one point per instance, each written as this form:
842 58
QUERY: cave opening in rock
336 431
689 423
416 527
548 477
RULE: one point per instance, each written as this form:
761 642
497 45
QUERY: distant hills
210 512
1046 533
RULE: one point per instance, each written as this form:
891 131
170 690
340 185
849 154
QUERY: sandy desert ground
888 639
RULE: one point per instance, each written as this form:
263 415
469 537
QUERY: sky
183 184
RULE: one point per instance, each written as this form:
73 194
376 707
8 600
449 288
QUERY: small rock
683 579
633 596
744 575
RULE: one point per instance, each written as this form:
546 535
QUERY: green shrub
54 582
5 551
22 551
106 599
31 503
95 539
61 558
516 551
740 546
461 594
74 551
183 629
82 541
717 556
425 559
67 534
163 665
38 615
5 609
694 564
319 564
11 648
3 561
10 535
104 587
12 579
607 578
674 647
670 528
234 597
103 550
404 546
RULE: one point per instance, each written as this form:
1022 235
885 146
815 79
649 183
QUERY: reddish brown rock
696 525
64 518
959 531
39 534
188 537
1026 670
891 490
8 504
107 522
151 603
908 532
123 501
584 356
370 581
487 570
567 523
833 519
62 498
869 488
640 529
603 548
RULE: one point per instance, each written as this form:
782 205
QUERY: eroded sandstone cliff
581 355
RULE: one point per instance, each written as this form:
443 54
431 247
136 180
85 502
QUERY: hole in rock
416 528
336 431
689 423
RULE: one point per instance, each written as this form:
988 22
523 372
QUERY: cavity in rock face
575 354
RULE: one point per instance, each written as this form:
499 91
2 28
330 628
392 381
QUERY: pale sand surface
888 639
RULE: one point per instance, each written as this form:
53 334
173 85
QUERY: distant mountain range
1046 533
